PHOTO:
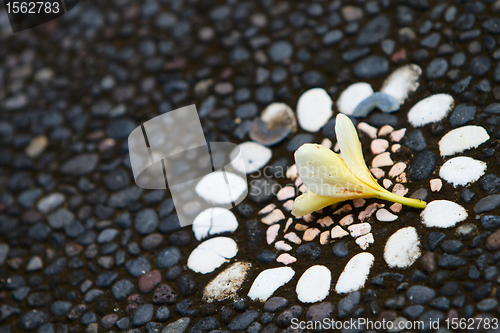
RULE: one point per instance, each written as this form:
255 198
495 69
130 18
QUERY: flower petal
325 173
350 148
310 202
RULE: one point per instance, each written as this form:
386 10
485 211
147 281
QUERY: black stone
479 66
461 85
416 141
451 261
310 250
266 256
298 140
490 184
420 294
255 234
423 166
374 31
244 320
462 114
467 195
340 250
371 67
487 204
437 69
348 304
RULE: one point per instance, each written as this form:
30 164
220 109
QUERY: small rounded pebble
352 96
430 110
314 109
249 157
384 215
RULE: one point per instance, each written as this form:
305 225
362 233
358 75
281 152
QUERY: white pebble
359 229
227 283
462 170
352 96
396 136
385 130
430 110
355 273
365 241
268 281
402 82
214 189
213 221
314 284
383 215
462 138
274 217
402 248
211 254
314 109
253 157
442 214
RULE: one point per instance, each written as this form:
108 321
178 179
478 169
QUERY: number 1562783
32 7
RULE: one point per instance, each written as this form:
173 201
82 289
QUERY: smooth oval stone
275 124
462 170
462 138
430 110
214 190
253 157
314 284
379 100
442 214
352 96
227 283
402 82
314 109
213 221
211 254
355 273
402 248
268 281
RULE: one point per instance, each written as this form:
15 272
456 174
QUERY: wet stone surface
84 249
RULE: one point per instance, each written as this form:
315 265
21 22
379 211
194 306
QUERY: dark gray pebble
487 204
340 250
467 195
413 311
32 320
262 190
310 250
298 140
462 114
244 320
451 261
374 31
275 304
146 222
482 291
168 257
186 285
430 317
423 166
143 315
183 308
348 304
138 267
266 256
436 69
162 314
479 66
60 308
452 246
416 141
371 67
490 183
122 289
420 294
285 318
80 165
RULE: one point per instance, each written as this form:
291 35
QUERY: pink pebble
385 130
436 185
282 246
338 232
308 218
310 234
396 136
397 169
395 148
292 172
365 215
336 148
288 205
292 237
347 220
301 227
266 210
399 189
303 188
272 233
359 202
378 146
396 207
368 130
288 224
148 281
325 221
298 182
377 172
401 178
286 259
327 143
346 208
382 160
324 238
285 193
387 183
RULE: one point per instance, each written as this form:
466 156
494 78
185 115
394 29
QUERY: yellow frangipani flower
330 178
